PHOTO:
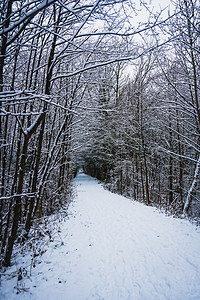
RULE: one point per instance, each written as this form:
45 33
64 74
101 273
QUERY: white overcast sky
155 6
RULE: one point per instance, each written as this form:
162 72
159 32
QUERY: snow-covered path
114 249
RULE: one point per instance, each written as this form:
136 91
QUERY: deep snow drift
113 248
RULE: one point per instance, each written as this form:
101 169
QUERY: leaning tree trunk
41 134
194 64
17 205
192 187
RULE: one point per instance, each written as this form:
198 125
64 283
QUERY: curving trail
114 249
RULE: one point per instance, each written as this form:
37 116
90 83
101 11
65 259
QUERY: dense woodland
84 86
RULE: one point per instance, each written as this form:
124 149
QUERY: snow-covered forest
92 85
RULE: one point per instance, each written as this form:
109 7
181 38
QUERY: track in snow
114 249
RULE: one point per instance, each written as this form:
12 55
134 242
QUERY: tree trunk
17 206
41 134
192 187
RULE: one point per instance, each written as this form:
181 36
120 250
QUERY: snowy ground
112 248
